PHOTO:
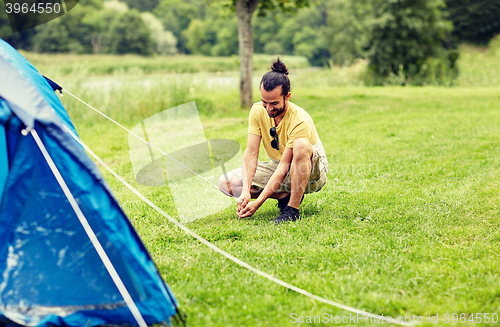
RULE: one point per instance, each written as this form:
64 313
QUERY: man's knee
302 148
228 183
224 182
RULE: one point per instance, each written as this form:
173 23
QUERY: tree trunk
244 11
96 40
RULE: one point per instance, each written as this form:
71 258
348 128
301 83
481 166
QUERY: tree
346 30
177 15
64 34
164 41
226 42
301 33
266 31
142 5
404 34
129 34
308 38
311 44
244 11
475 21
52 37
70 22
195 36
95 26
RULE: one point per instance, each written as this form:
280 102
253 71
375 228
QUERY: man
298 162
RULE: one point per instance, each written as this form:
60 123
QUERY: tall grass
333 75
131 98
480 66
64 64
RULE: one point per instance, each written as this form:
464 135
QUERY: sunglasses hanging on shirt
275 144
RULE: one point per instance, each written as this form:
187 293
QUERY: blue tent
50 273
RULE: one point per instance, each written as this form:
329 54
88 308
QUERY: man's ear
288 96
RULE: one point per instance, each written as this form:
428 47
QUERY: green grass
410 228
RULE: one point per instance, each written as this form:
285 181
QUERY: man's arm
271 186
249 167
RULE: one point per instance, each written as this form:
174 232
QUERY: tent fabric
50 274
35 79
4 163
53 85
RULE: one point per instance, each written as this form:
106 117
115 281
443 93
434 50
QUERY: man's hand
249 209
242 201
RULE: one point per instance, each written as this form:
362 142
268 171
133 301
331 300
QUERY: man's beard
278 111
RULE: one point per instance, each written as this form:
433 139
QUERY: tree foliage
404 34
52 38
476 21
177 15
299 33
129 34
104 27
346 30
215 35
95 26
164 42
142 5
63 34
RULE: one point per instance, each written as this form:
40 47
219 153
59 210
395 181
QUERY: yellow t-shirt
296 123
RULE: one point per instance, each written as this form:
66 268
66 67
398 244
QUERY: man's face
274 102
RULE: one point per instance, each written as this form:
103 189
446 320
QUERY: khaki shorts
265 170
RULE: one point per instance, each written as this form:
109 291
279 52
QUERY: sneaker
283 203
288 214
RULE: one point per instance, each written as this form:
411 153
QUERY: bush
438 70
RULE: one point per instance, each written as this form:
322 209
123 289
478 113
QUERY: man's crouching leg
300 170
230 185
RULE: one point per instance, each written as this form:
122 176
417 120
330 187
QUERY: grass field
410 228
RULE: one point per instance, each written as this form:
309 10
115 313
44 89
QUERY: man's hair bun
279 67
278 76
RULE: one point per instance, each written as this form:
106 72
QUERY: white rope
93 238
143 140
224 253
